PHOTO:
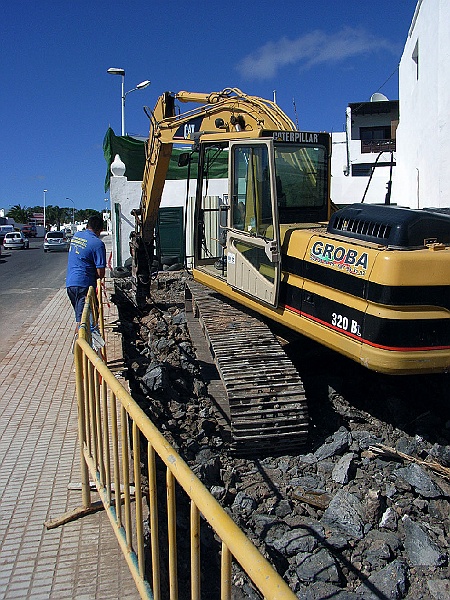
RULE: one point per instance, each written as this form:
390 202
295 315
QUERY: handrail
107 413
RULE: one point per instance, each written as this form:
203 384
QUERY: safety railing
126 456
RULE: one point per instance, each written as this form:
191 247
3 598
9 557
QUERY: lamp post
73 210
140 86
45 191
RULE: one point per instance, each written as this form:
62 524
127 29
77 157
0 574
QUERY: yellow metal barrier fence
113 431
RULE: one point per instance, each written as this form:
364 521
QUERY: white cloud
311 49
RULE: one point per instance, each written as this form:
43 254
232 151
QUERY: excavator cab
269 181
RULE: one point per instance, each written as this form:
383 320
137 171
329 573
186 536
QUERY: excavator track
266 405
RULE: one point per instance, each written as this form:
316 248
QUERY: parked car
29 230
56 240
15 239
4 229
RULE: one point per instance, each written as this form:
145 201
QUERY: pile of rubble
363 513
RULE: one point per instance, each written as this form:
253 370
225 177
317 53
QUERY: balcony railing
376 146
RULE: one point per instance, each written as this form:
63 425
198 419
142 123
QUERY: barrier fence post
85 487
195 552
171 526
225 588
106 436
116 461
126 477
138 498
154 533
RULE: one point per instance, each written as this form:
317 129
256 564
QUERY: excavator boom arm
222 114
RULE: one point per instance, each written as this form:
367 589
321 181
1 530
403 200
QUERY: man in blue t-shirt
86 264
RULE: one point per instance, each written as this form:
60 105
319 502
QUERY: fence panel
113 432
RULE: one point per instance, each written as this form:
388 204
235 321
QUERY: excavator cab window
212 202
251 197
301 182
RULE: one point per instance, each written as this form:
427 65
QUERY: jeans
77 296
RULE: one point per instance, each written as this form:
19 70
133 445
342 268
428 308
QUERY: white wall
346 189
422 174
126 195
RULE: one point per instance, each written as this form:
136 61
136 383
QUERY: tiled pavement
39 458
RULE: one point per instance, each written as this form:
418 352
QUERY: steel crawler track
267 403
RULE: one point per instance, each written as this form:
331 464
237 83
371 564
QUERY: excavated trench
362 511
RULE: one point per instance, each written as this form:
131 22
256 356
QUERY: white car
4 229
15 239
56 240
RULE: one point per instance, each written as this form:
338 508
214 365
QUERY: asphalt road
28 279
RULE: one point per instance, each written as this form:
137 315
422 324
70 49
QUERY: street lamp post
45 191
140 86
73 210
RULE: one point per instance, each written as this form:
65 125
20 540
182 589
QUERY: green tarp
132 154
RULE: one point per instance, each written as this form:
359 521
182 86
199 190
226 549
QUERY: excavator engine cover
391 226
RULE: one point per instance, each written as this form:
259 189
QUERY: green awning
132 154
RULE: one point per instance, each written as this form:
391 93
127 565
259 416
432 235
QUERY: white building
363 156
422 174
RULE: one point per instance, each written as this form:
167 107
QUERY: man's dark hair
95 223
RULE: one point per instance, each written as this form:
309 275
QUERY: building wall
347 189
422 175
126 195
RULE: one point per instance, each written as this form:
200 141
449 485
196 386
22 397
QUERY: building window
382 132
376 139
365 169
361 169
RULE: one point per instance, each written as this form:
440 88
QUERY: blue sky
57 100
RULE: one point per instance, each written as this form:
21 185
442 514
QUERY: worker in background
86 264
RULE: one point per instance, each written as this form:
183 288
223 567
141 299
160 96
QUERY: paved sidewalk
39 458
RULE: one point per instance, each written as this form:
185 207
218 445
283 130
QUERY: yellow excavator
371 282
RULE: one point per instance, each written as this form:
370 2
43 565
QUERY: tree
67 214
19 214
54 215
84 214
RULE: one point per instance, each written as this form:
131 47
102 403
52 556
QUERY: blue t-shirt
87 253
